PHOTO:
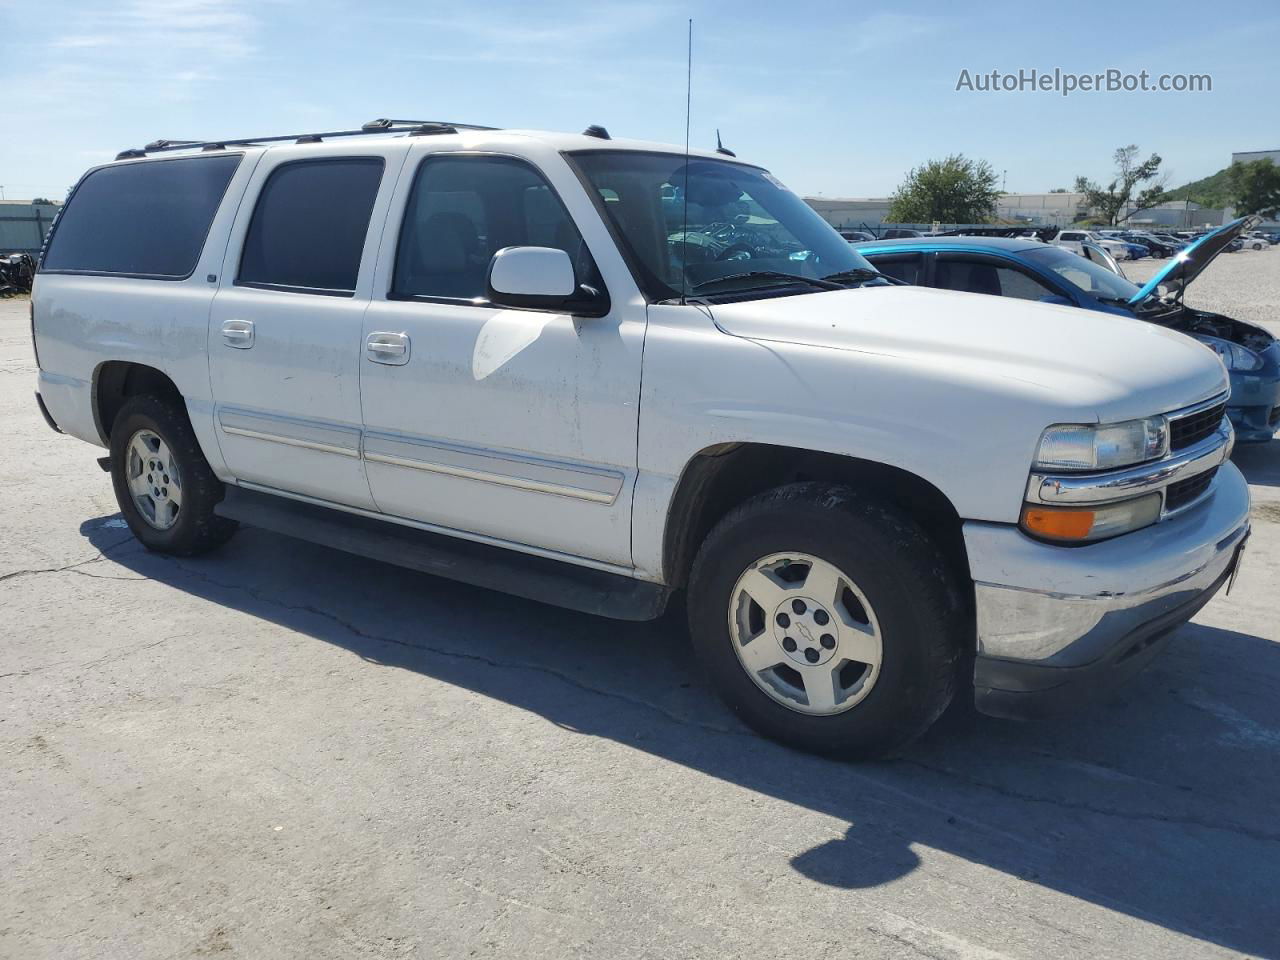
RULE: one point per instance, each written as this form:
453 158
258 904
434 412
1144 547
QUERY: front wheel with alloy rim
163 484
826 620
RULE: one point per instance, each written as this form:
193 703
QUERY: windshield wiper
861 275
777 276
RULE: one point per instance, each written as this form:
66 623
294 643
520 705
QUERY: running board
534 578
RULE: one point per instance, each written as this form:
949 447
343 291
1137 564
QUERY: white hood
1109 366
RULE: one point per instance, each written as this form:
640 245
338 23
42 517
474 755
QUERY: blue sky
836 98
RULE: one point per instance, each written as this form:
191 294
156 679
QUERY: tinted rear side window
308 230
980 276
140 219
905 267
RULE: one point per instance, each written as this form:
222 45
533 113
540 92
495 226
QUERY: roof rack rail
161 144
432 129
372 127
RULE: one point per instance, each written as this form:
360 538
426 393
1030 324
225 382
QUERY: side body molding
311 434
574 480
579 481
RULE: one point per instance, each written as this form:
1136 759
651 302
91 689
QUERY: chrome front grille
1190 428
1186 492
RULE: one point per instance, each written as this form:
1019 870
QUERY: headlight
1087 524
1071 446
1233 355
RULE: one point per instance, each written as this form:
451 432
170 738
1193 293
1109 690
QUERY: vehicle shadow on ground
1259 462
1159 804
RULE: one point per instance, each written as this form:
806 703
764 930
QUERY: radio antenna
684 230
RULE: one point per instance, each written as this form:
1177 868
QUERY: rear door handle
388 348
238 334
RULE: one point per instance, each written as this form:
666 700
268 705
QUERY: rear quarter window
146 219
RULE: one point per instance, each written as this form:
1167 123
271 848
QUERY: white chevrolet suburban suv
597 373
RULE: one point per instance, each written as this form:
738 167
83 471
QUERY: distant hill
1209 192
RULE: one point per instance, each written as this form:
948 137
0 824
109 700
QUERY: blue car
1032 270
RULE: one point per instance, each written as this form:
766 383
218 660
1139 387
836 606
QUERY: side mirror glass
541 278
542 272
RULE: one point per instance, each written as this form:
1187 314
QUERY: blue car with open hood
1032 270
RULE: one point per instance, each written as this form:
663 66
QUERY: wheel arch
719 477
115 381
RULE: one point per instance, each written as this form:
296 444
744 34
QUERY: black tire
902 574
196 529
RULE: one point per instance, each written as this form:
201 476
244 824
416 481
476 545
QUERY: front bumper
1057 623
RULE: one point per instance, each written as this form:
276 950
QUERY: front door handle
238 334
389 348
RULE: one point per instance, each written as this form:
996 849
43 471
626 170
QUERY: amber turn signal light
1087 524
1057 524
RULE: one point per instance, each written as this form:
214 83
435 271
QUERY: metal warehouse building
1249 156
23 225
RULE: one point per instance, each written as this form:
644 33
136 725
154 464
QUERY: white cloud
531 35
882 31
148 52
156 38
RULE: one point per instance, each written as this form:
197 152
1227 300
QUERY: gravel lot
281 751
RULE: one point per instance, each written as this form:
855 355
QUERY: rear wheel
826 621
163 484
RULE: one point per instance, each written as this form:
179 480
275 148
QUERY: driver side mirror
541 278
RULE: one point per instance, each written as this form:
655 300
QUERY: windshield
743 225
1083 274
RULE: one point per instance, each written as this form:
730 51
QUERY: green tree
1211 191
1110 201
953 190
1255 187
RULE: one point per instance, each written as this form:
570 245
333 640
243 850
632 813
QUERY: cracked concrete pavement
283 751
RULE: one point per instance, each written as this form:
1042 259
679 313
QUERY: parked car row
1074 241
1155 246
